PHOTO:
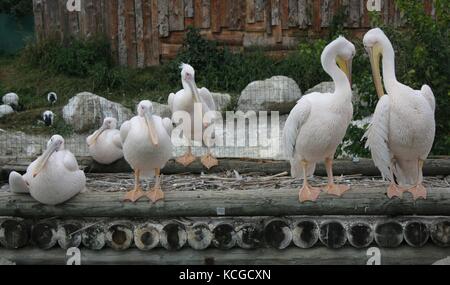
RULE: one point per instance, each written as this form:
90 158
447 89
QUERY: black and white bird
51 98
48 118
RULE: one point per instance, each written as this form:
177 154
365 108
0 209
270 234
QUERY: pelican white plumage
52 98
105 145
317 124
5 110
52 178
48 117
402 130
147 147
11 99
185 100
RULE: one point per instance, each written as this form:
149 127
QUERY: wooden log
319 255
146 236
360 234
249 236
305 11
43 234
121 32
14 233
259 10
176 15
119 235
389 234
163 18
333 234
305 233
69 234
416 233
277 233
440 233
93 236
173 235
139 19
199 236
189 8
270 202
224 235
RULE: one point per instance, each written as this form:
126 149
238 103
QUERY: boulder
86 111
162 110
278 93
221 100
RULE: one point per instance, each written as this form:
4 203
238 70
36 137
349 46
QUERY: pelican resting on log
105 145
402 130
147 147
319 121
185 100
52 178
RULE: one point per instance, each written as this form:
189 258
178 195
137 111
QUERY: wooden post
173 235
360 234
333 234
94 236
14 233
305 233
277 233
416 233
389 234
440 233
43 234
224 235
146 236
249 236
199 236
69 234
119 235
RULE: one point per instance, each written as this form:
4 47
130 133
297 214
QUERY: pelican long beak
194 90
375 57
42 160
151 129
95 136
346 67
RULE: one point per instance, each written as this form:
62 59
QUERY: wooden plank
176 15
354 14
260 8
63 19
293 13
163 18
139 16
38 19
326 13
316 15
215 16
197 13
305 12
155 46
360 200
275 13
284 14
268 16
121 39
236 22
112 27
206 14
189 8
224 15
250 8
130 23
97 13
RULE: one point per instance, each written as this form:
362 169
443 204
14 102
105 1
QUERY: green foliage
17 8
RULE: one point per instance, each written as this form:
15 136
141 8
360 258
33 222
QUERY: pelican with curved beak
105 145
147 147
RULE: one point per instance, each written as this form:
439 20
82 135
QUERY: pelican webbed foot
308 193
209 161
186 159
155 194
394 191
335 189
418 191
134 194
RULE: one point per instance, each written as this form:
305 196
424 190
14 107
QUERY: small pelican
11 99
48 118
401 133
317 124
51 98
147 147
105 145
184 100
52 178
5 110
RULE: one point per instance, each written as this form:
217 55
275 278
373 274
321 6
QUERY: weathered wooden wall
142 32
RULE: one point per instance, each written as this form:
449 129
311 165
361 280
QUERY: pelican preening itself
48 118
147 147
52 98
105 145
317 124
401 133
52 178
185 100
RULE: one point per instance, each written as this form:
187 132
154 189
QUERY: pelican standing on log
402 130
53 178
105 145
147 147
318 123
184 100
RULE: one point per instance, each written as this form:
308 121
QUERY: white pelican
11 99
105 145
402 130
184 100
52 98
317 124
5 110
52 178
147 147
48 118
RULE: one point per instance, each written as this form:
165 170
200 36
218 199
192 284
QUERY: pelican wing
124 129
117 141
207 98
170 101
17 183
377 138
70 162
167 123
429 96
297 118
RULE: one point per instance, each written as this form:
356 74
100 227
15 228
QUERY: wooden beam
318 255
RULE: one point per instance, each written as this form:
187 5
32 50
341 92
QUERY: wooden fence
142 32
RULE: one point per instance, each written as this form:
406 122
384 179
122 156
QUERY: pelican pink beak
42 160
375 53
346 67
151 129
96 135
